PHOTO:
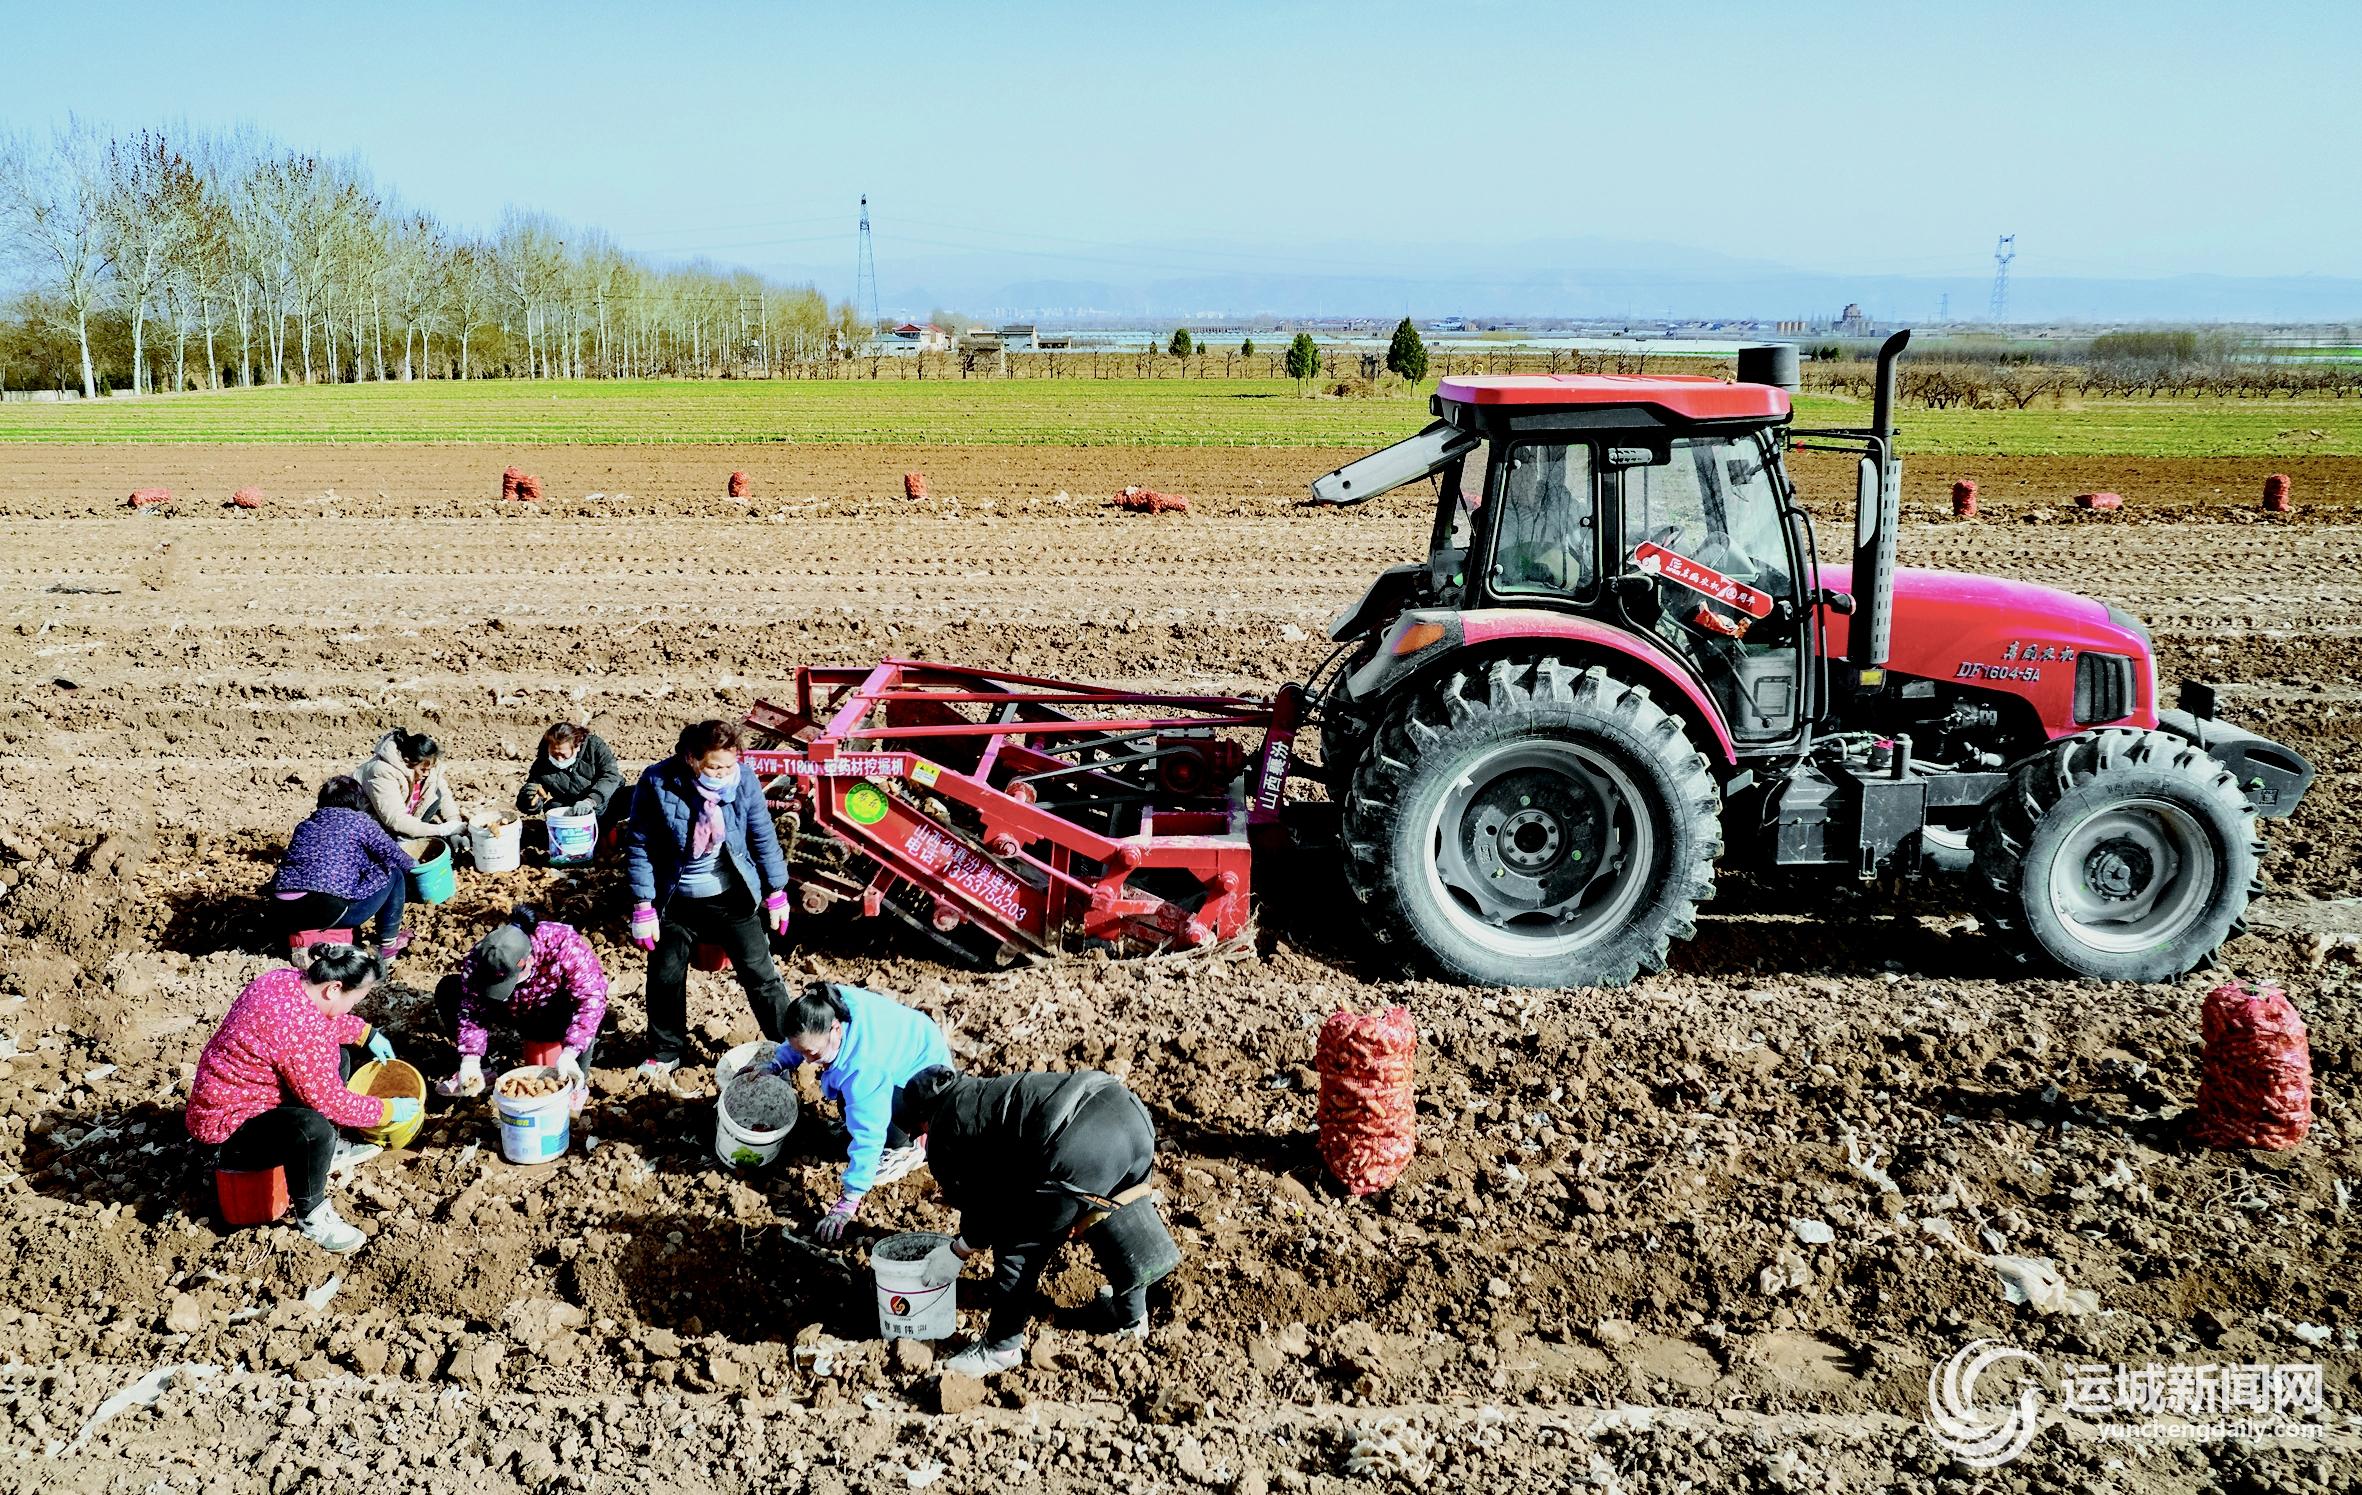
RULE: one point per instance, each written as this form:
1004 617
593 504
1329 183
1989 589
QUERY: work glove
833 1225
569 1066
469 1080
446 829
775 911
583 807
644 927
381 1048
400 1109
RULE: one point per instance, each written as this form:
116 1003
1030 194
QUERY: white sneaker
348 1156
981 1360
898 1162
324 1228
657 1069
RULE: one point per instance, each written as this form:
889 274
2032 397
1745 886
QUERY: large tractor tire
2120 855
1533 825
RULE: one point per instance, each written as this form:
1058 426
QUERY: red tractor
1623 663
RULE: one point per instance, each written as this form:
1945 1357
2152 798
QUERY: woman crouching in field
270 1089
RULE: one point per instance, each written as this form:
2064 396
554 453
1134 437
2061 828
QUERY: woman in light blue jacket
867 1046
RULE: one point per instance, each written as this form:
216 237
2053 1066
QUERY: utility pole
865 278
2003 253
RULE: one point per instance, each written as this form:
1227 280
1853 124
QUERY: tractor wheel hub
2119 869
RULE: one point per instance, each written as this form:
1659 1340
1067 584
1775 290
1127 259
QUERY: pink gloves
775 910
644 927
833 1225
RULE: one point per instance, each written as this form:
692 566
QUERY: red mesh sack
148 498
1368 1129
515 482
2276 493
2255 1082
914 485
247 498
1149 501
740 487
1964 499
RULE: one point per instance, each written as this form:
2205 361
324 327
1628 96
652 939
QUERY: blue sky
1891 138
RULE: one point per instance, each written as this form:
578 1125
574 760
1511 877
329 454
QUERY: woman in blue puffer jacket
705 868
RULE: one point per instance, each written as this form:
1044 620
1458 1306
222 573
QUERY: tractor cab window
1714 504
1547 535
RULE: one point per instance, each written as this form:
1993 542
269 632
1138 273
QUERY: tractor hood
2009 636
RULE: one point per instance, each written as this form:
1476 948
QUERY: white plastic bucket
573 839
742 1146
496 843
533 1131
917 1296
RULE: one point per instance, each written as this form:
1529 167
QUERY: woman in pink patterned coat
270 1087
535 978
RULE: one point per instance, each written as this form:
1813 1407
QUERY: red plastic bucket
710 958
250 1196
538 1055
303 939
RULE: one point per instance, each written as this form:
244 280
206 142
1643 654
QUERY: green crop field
1082 412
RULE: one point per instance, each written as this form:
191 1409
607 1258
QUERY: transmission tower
2003 253
865 278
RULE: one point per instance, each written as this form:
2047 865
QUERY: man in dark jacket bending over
1030 1161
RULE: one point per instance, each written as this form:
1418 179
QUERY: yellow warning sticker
924 773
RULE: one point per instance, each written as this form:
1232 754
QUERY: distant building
923 337
1020 337
1851 320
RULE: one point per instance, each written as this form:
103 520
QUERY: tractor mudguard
2274 776
1394 587
1461 633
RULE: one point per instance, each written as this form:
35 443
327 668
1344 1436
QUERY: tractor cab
1651 515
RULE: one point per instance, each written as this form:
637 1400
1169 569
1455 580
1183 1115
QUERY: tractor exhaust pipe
1878 499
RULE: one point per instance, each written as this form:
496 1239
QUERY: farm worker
1032 1160
341 870
270 1091
867 1046
535 977
705 867
575 773
403 777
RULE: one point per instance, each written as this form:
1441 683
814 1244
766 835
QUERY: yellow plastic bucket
391 1079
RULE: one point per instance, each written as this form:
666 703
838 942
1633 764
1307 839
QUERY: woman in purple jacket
341 870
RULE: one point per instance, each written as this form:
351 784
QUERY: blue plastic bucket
432 880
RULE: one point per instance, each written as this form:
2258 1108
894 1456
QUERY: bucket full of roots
536 1111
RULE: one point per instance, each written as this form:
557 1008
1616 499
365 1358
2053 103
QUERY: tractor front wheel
2120 855
1533 825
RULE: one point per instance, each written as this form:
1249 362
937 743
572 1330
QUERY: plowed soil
1607 1266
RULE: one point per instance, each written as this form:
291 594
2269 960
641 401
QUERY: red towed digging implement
1009 814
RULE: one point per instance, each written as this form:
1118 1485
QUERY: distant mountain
1582 278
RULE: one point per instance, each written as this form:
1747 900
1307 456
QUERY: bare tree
53 203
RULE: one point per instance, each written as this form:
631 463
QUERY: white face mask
558 762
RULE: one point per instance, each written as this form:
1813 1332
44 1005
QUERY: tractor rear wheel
1533 825
2120 855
